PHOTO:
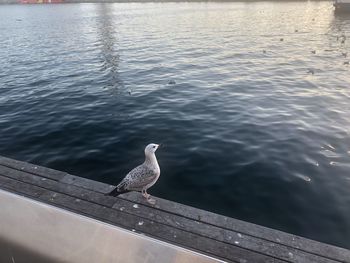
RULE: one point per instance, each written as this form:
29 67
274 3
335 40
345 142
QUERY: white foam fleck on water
335 163
140 223
340 164
330 146
311 161
303 177
135 206
236 242
290 254
122 208
239 235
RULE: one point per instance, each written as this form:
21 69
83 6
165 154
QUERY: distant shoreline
14 2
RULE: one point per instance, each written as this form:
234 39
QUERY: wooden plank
249 229
223 235
176 221
122 219
167 209
144 212
162 232
133 223
57 187
31 168
86 183
17 187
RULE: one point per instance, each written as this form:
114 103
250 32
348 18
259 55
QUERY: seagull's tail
120 189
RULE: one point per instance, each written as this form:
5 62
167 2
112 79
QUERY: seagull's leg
144 194
149 199
147 195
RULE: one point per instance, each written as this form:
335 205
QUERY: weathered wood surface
215 235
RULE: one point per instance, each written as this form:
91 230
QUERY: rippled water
249 131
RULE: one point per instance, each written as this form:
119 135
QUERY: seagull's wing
137 178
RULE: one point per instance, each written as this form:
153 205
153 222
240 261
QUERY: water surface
249 131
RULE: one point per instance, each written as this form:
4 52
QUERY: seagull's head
151 148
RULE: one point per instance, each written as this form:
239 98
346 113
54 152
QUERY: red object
41 1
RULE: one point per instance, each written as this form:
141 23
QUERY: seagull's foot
151 201
148 198
145 195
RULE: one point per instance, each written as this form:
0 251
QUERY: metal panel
31 231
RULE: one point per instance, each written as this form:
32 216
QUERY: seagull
142 177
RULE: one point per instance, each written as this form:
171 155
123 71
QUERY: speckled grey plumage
139 178
143 176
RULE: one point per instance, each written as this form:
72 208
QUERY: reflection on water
254 127
109 47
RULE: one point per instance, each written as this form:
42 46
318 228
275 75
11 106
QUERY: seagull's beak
160 145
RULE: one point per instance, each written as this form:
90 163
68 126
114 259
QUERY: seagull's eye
154 147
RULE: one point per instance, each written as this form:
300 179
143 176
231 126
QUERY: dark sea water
249 134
